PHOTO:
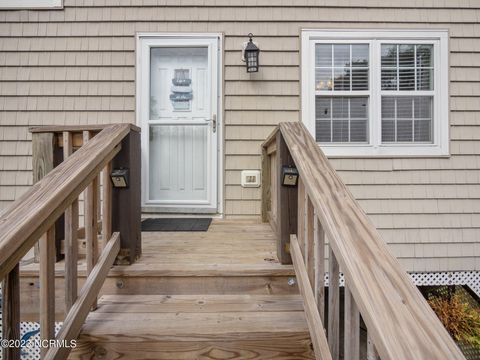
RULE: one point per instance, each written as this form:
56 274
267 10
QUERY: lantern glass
252 61
251 55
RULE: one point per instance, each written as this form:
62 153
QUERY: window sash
347 93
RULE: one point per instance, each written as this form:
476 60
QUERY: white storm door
179 123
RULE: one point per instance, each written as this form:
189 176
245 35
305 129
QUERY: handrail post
286 204
11 313
126 202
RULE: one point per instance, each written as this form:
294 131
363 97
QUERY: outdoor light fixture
251 54
119 178
289 176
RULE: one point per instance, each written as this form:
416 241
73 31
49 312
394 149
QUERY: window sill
384 151
30 4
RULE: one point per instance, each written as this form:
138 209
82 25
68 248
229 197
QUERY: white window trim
31 4
440 145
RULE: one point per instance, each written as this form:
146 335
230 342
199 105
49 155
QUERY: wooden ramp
220 294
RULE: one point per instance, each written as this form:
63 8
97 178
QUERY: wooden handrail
399 321
34 215
35 211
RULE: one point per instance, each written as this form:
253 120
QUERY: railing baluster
319 261
11 313
71 238
352 327
106 204
333 305
91 221
47 287
301 216
309 234
372 353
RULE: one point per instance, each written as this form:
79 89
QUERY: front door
178 106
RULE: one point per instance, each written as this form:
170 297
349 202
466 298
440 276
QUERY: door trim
191 209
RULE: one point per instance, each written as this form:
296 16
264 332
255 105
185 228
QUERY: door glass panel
178 82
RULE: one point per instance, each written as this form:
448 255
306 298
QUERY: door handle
213 120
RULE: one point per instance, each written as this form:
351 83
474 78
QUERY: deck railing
32 218
320 213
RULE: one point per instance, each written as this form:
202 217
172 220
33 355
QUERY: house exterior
390 91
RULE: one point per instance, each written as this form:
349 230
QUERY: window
376 92
30 4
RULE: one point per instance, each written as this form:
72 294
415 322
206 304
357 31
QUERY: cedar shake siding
77 66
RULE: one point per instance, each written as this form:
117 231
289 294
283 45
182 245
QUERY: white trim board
439 38
31 4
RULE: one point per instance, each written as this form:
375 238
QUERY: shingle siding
77 66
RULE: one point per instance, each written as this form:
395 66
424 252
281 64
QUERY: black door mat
176 224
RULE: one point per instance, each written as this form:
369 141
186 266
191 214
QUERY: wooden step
196 327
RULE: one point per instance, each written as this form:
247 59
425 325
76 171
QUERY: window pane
388 107
323 79
424 79
389 55
424 55
323 55
406 56
423 131
340 131
341 119
323 131
360 55
340 108
423 107
406 79
358 130
342 79
404 107
359 79
388 131
407 67
358 108
407 119
389 79
323 108
341 67
341 55
404 131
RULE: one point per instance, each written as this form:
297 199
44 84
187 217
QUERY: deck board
228 248
231 258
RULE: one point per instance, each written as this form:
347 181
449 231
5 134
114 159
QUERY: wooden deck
232 257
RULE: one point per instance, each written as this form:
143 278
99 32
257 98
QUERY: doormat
176 224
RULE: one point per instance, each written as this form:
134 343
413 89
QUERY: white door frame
214 41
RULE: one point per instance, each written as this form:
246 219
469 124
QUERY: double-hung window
368 93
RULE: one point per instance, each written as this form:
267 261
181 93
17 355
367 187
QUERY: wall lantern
119 178
251 54
289 176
